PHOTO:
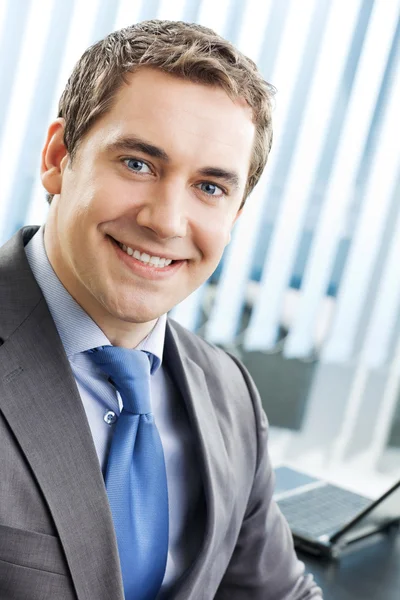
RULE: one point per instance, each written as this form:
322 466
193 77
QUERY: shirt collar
77 330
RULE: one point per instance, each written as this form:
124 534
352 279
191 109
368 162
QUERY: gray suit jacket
57 540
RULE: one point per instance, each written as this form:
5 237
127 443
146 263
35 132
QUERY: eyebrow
230 177
136 144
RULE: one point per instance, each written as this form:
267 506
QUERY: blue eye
138 166
211 189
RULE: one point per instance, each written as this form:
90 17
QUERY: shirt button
110 417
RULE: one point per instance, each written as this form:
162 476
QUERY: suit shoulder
197 345
208 356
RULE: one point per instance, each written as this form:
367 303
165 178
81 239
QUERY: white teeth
155 261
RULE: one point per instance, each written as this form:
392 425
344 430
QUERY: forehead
185 118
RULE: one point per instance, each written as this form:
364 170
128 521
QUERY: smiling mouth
143 257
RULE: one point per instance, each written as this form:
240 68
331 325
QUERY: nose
164 212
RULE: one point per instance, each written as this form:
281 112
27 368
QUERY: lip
142 250
145 270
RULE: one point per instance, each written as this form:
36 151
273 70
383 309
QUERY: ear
239 212
54 157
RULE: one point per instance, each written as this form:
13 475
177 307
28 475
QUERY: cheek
87 190
85 212
115 198
215 237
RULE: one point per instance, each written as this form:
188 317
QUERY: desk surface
368 573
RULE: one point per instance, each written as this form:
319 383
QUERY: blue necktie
135 478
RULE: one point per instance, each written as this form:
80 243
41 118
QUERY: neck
125 335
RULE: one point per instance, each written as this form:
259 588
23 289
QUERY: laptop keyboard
321 510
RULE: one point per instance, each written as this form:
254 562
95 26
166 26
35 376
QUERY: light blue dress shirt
102 403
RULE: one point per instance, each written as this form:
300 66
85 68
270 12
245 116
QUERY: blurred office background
308 292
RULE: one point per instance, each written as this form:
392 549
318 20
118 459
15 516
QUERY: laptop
325 519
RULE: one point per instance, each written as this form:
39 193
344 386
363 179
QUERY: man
163 130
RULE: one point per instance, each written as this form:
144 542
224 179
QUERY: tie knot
129 370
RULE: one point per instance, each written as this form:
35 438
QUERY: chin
134 306
135 314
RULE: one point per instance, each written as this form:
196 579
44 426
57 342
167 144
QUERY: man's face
163 172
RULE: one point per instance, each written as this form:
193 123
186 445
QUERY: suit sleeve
264 565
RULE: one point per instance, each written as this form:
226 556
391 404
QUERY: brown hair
186 50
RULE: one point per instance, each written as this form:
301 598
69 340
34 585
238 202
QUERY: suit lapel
40 401
215 468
